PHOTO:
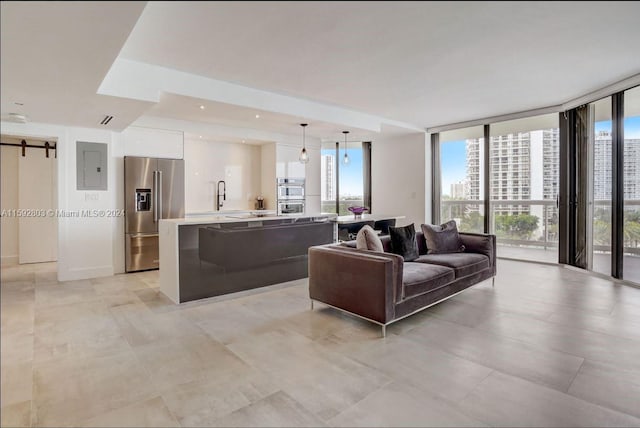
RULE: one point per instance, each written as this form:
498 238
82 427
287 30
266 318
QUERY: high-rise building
524 166
458 190
602 167
473 183
327 178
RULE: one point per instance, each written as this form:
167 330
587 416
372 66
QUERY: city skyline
453 153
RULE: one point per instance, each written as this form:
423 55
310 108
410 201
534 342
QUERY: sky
351 181
453 153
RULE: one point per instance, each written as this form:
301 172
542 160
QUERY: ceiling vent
15 118
106 120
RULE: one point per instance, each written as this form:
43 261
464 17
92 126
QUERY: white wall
85 244
9 201
206 163
398 170
149 142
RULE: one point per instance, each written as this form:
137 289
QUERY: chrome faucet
219 204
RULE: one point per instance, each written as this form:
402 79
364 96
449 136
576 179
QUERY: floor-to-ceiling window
462 166
631 233
523 183
560 187
600 165
343 176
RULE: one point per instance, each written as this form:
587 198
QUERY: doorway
29 200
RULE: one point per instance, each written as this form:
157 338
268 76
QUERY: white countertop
222 213
236 217
347 219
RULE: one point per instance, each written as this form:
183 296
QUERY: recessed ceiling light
201 107
243 141
257 116
200 136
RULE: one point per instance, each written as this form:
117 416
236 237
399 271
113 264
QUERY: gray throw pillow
368 239
443 238
403 242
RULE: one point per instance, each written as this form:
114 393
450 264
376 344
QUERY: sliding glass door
631 222
524 164
601 174
462 178
560 187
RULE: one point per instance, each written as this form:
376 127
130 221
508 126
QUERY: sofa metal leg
384 331
311 304
493 281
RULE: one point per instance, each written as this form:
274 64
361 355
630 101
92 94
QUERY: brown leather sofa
383 288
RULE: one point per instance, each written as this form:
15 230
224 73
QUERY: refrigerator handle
160 195
155 196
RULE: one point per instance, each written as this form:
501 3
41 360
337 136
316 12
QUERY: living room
451 96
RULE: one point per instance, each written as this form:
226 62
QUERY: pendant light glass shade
304 156
345 159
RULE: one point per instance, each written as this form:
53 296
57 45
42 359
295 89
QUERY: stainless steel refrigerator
154 189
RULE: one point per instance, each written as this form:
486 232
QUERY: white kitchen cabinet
312 174
287 163
282 161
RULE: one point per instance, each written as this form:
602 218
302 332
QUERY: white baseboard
9 260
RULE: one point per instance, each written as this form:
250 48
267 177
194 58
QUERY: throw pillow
443 238
403 242
368 239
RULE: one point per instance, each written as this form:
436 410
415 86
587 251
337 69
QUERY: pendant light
304 156
345 160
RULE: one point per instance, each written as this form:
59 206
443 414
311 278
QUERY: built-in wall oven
291 207
290 188
290 193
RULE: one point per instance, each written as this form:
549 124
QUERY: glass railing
601 261
525 229
467 214
601 237
528 229
631 241
329 206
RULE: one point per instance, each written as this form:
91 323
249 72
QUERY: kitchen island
203 257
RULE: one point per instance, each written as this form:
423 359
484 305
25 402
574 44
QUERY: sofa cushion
386 243
403 242
479 243
443 238
464 264
368 239
420 278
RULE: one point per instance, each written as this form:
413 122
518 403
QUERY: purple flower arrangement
357 211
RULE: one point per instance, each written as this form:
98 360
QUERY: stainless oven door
288 191
291 207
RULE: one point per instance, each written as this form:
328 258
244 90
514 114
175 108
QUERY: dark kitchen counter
201 258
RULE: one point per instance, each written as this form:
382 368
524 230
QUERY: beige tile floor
548 346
